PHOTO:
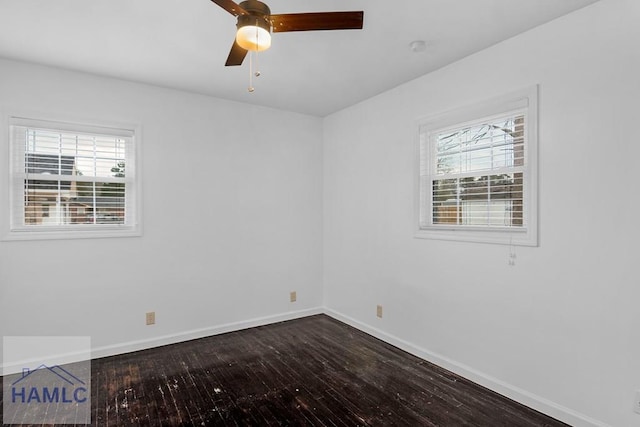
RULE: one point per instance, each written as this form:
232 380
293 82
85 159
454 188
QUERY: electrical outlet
293 297
151 318
636 403
379 310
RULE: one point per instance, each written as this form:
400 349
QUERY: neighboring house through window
72 180
477 172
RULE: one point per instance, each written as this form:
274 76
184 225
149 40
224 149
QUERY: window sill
67 234
522 237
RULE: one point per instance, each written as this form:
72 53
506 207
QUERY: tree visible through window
71 180
478 172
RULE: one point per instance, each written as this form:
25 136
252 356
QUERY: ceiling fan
255 24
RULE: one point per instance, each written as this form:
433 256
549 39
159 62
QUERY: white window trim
523 100
72 124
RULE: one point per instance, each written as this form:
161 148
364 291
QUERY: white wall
555 331
232 218
559 330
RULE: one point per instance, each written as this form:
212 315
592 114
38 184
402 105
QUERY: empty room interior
315 232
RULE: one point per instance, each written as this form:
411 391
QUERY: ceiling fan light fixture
253 34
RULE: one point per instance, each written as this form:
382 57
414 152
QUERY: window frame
523 102
131 132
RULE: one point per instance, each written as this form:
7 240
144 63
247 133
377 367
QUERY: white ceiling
183 44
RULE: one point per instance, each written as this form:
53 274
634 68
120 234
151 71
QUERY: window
477 172
71 180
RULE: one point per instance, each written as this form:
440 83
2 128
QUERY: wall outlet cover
151 318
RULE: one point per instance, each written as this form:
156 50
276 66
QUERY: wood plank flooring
313 371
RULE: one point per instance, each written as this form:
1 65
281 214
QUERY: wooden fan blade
231 7
236 56
317 21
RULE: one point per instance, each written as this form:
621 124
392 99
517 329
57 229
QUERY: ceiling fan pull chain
251 60
251 88
257 73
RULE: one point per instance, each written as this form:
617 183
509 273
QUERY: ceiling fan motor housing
259 15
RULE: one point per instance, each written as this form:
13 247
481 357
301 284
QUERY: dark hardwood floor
313 371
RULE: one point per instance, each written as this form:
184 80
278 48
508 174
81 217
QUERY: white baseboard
512 392
127 347
200 333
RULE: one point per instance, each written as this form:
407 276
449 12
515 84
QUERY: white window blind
477 173
71 179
